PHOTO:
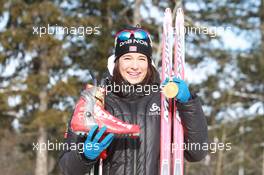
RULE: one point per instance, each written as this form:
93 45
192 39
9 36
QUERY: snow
192 6
216 94
83 75
237 111
233 41
14 100
10 68
256 108
151 12
200 72
3 21
207 110
15 124
230 75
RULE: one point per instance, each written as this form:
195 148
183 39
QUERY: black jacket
139 156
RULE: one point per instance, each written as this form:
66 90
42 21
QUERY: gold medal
170 90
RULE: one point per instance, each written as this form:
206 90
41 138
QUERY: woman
140 156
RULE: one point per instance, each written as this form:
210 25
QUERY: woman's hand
92 147
184 94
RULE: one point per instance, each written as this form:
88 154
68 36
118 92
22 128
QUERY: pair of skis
171 155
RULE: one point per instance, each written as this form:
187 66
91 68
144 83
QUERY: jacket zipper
135 160
134 119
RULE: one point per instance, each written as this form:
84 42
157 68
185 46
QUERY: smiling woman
141 106
133 67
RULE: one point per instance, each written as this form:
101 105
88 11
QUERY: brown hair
150 77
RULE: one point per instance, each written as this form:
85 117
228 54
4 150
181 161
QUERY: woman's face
133 67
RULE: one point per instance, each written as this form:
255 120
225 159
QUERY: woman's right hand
92 147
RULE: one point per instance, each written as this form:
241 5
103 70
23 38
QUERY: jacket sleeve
195 129
71 160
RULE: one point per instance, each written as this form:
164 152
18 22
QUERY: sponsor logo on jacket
154 109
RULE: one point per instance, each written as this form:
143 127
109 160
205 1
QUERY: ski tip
167 10
167 16
179 18
180 11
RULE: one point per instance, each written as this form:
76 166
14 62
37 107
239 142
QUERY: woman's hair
150 78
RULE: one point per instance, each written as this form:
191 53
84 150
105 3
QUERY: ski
179 61
172 154
166 104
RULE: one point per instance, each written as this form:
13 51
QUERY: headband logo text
132 41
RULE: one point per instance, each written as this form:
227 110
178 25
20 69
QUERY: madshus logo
154 110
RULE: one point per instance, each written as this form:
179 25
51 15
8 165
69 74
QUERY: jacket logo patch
154 110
